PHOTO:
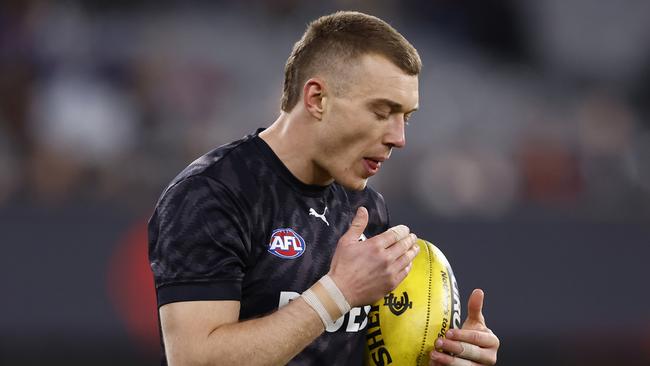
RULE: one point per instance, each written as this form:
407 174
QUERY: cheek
350 134
345 146
354 132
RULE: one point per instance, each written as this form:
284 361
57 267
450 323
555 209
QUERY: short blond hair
337 39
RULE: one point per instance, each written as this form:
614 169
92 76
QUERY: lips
372 164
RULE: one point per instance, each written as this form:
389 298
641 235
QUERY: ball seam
426 324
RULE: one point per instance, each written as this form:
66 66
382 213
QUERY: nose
395 135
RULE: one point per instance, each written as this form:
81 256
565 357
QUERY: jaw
352 178
361 186
358 184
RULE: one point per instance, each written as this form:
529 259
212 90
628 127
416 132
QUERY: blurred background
528 163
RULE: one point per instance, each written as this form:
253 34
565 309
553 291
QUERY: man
255 246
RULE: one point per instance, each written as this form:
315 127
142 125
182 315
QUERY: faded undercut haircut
331 42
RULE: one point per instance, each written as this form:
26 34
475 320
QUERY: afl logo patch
286 243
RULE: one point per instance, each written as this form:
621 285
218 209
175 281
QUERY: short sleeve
198 242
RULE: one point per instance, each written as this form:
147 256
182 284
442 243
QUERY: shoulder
227 169
221 164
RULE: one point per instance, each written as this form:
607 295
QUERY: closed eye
381 116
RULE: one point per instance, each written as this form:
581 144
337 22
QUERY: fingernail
450 333
438 343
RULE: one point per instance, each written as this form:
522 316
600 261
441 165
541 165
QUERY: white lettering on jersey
286 296
352 317
285 242
365 318
336 326
353 326
354 313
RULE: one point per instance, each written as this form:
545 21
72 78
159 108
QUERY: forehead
377 78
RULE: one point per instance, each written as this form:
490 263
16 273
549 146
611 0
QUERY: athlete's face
366 121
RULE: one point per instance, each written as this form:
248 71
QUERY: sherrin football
403 326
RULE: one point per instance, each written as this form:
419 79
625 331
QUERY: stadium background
528 162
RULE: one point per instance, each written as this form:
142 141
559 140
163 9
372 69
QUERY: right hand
366 271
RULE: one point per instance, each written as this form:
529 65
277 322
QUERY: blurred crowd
524 105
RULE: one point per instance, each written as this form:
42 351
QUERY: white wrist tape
327 300
310 298
335 293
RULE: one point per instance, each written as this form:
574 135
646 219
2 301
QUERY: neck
293 139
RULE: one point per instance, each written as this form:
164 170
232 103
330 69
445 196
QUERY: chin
355 184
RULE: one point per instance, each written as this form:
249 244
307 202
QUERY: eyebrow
394 106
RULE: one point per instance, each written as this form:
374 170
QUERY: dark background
528 163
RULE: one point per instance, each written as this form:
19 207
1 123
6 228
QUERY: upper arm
197 251
187 325
198 243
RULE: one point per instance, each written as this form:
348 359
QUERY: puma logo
313 212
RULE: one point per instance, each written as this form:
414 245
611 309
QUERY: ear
314 97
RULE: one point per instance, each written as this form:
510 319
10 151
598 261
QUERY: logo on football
286 243
398 307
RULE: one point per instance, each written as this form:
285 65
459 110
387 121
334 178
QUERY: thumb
475 310
359 223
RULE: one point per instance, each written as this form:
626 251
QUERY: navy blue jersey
237 225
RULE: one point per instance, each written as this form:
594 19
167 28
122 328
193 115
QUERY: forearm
270 340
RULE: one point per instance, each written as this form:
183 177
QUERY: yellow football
403 326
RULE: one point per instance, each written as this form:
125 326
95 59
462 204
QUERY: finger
485 339
470 352
392 236
461 349
403 252
359 223
400 276
475 309
401 247
401 272
433 362
440 358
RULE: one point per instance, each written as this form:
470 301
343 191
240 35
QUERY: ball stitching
426 324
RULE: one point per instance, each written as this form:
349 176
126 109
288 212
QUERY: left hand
472 345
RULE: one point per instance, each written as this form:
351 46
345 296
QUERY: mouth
372 164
